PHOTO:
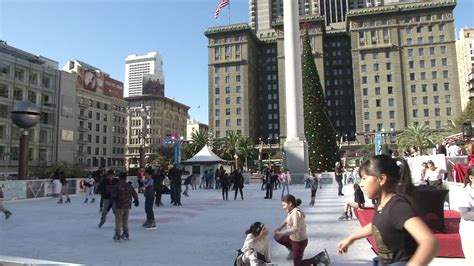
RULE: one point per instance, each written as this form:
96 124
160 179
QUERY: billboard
113 88
90 80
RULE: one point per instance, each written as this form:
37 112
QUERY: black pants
225 192
269 193
150 216
176 194
339 186
158 196
241 193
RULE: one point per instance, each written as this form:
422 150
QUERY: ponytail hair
397 172
291 199
254 229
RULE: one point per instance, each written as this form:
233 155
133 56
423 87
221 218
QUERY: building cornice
306 18
228 28
154 97
400 8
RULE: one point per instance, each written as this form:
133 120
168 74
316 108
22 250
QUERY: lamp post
236 157
269 152
24 115
143 115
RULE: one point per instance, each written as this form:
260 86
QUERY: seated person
434 175
359 202
256 249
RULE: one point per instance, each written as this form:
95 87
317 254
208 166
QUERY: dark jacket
238 180
175 176
106 187
123 194
359 197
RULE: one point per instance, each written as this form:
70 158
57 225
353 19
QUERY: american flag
221 5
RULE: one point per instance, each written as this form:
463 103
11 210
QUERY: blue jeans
378 262
150 216
285 185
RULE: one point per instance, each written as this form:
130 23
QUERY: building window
426 112
410 52
389 78
433 62
217 101
4 92
437 112
391 114
18 94
425 99
238 89
413 88
239 100
217 123
448 111
239 122
364 91
423 76
227 122
227 100
390 102
379 114
414 100
376 67
389 89
421 51
415 112
227 90
227 111
435 87
445 74
447 98
444 61
239 111
217 90
412 76
217 112
422 63
366 103
446 86
377 102
411 64
366 116
377 91
388 66
434 75
363 68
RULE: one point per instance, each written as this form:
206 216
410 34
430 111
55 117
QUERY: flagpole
229 11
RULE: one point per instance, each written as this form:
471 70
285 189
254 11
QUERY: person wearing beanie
122 197
149 193
106 186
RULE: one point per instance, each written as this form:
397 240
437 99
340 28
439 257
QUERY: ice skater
106 186
358 203
64 188
187 182
149 193
285 181
225 186
256 250
292 234
89 183
3 209
313 181
122 197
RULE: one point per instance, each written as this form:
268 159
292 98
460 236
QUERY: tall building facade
151 118
465 56
92 118
27 77
144 72
404 63
194 126
233 82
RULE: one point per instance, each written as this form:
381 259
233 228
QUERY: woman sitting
256 249
359 202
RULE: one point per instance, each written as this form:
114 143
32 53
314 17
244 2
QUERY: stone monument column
295 147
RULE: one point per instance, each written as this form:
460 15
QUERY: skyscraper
465 55
144 71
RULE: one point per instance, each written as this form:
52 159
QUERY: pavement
204 231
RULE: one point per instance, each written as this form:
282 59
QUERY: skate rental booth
204 160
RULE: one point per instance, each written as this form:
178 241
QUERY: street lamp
25 115
236 157
143 115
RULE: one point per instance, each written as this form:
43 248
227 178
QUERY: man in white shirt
454 150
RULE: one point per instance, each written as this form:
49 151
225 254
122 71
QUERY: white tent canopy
205 155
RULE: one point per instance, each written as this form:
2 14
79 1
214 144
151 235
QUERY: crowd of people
401 235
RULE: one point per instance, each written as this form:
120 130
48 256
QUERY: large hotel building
384 65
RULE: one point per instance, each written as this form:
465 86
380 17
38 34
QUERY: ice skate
93 200
102 222
7 215
145 224
290 255
85 201
68 200
343 216
151 226
117 238
60 201
311 203
125 236
322 258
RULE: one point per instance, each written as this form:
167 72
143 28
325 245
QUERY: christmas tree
320 134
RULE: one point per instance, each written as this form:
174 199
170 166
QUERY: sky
103 32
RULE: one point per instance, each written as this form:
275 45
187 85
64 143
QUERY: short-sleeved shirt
393 241
467 201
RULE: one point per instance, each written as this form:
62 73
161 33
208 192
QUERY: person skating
187 182
338 173
158 177
4 210
64 188
175 180
313 181
149 193
106 186
285 180
238 183
270 180
122 197
292 234
225 186
89 188
401 235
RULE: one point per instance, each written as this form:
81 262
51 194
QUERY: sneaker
125 236
151 226
290 255
101 223
7 215
322 257
117 238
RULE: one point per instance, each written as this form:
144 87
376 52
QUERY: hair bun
298 202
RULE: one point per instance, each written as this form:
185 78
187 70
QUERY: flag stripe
221 5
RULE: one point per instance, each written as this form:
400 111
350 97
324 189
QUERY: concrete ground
204 231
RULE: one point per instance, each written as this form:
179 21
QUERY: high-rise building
27 77
144 75
465 55
151 118
92 118
404 63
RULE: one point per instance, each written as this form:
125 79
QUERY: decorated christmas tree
322 147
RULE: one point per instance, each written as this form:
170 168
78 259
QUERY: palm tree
228 145
246 148
420 137
198 140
